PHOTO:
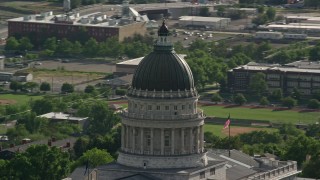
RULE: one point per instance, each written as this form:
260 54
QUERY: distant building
268 35
60 117
97 25
5 76
209 23
22 76
303 75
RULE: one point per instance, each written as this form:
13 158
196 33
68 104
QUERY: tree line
132 47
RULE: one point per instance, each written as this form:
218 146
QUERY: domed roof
163 69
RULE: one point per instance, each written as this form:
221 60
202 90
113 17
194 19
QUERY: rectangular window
202 175
149 107
182 107
212 171
166 140
175 107
148 138
167 108
158 107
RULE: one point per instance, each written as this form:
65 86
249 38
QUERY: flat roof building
72 26
303 75
197 22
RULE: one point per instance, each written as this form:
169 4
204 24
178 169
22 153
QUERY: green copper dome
163 69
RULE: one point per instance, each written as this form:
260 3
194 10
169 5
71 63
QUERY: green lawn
217 129
287 116
20 98
3 129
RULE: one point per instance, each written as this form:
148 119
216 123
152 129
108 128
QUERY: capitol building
162 136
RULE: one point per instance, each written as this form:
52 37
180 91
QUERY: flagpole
229 140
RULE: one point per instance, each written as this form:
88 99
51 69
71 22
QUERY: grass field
3 129
19 98
219 131
286 116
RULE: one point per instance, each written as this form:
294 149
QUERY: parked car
65 61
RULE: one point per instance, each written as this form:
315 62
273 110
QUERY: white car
38 63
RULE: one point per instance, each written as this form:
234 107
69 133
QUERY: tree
101 119
42 106
80 146
12 44
67 88
313 104
258 84
314 53
289 102
216 98
204 11
311 168
15 85
261 19
300 147
90 47
260 9
264 101
240 99
30 85
75 3
89 89
271 13
65 47
221 11
45 86
40 162
50 44
296 94
31 122
95 157
276 95
25 44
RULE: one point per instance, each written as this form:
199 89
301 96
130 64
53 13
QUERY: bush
313 104
216 98
264 101
121 92
240 99
289 102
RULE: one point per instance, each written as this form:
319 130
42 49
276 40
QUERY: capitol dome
163 69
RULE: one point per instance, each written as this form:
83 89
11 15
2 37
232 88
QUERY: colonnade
162 141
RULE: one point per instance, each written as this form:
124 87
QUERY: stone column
133 139
172 141
182 140
151 139
162 141
197 139
201 139
191 140
122 136
127 137
141 140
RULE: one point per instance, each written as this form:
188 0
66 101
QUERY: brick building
303 75
73 26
